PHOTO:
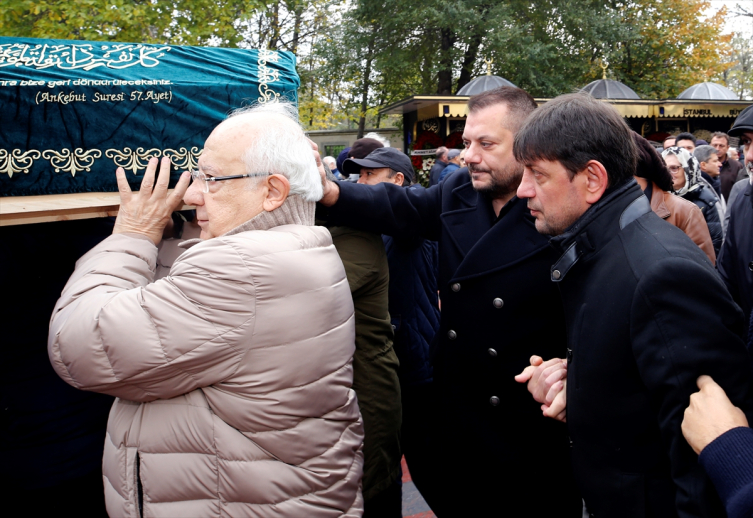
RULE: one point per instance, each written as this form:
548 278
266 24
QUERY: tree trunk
366 85
471 54
364 97
297 29
444 77
274 27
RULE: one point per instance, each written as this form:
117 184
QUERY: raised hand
148 210
331 192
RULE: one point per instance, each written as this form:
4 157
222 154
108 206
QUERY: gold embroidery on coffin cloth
74 161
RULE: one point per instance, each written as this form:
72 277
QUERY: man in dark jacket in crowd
646 315
453 156
735 263
498 308
731 170
414 311
375 363
439 164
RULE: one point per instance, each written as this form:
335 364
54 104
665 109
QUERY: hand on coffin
148 210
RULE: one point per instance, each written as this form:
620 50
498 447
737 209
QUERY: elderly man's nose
194 195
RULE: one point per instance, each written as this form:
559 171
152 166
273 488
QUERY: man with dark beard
498 308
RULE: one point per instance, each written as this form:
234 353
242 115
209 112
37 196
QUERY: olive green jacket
375 362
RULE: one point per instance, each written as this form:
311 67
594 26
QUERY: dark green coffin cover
72 111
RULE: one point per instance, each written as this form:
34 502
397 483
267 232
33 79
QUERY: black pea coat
646 315
735 261
499 307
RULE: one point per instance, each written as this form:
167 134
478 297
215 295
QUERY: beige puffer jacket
233 373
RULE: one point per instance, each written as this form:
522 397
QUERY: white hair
377 136
282 149
328 160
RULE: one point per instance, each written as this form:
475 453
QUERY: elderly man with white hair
234 387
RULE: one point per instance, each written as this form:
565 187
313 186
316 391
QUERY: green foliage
180 22
662 48
357 56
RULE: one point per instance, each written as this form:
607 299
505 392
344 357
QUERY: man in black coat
646 315
735 262
439 164
498 308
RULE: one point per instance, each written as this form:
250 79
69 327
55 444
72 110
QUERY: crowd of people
561 321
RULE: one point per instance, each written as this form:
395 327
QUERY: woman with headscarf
688 184
655 181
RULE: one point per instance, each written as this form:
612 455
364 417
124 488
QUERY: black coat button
569 355
492 352
451 334
498 303
750 266
494 401
455 287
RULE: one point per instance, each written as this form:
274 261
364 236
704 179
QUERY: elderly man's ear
277 189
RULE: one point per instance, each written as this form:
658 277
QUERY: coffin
73 111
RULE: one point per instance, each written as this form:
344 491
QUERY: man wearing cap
453 156
375 363
414 312
735 262
360 149
498 307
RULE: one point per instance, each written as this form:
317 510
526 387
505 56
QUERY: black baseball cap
382 157
743 122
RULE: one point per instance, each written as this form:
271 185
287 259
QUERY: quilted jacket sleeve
115 331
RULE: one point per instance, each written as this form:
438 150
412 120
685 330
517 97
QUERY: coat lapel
512 239
472 218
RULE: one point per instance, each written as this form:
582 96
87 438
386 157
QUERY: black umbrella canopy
708 91
608 89
484 83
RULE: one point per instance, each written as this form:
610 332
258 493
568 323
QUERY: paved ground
414 505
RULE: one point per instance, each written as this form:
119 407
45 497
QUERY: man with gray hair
453 156
332 164
439 164
223 407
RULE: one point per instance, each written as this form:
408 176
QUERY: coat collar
294 211
598 226
488 245
658 204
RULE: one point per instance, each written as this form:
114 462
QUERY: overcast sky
741 24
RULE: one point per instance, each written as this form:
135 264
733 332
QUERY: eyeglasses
675 168
198 175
